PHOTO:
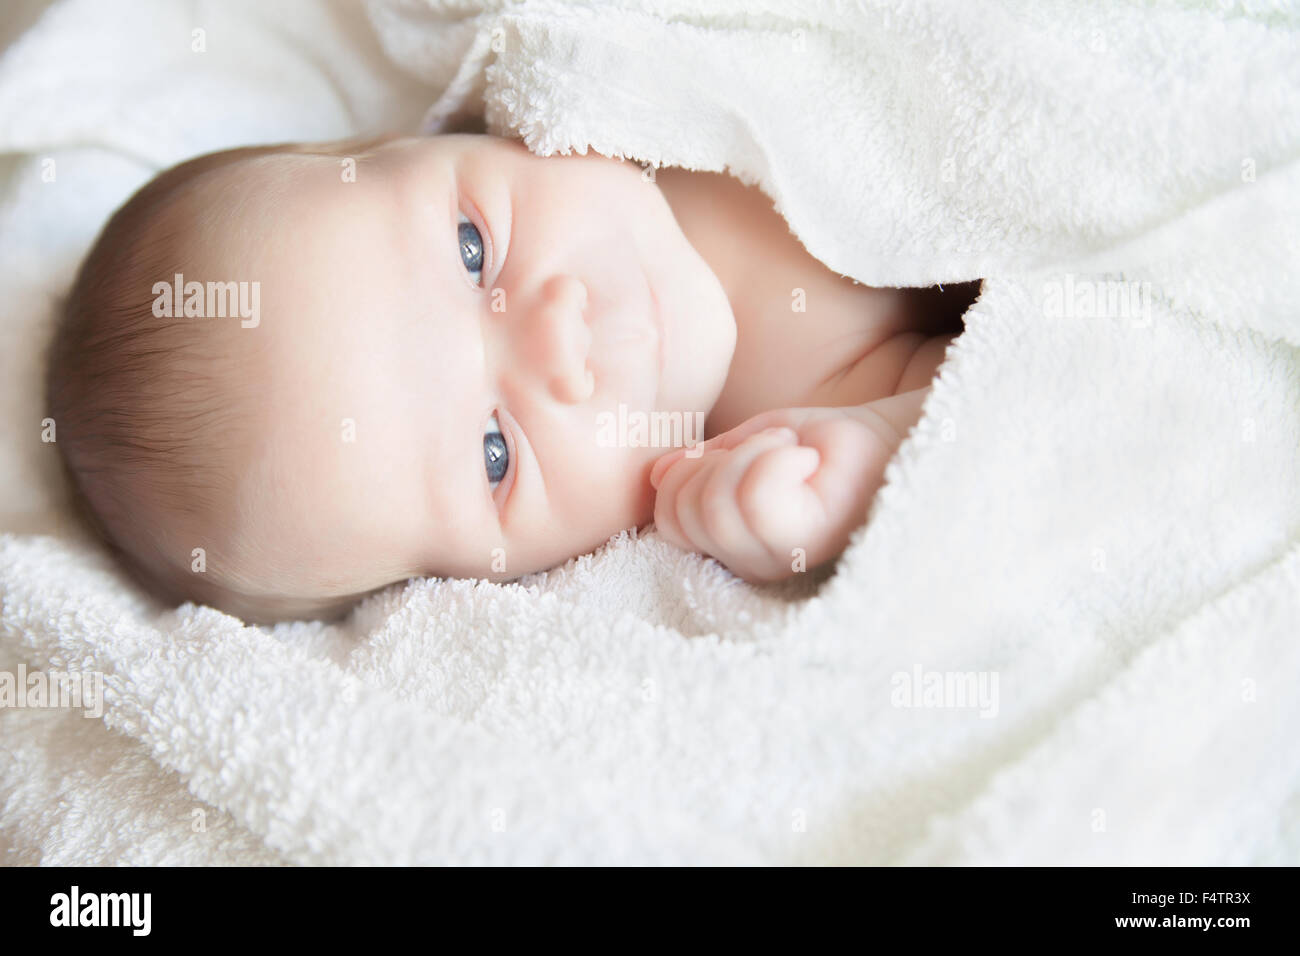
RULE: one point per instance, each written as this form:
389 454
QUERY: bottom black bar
1163 905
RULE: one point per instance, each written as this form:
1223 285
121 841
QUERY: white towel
1096 518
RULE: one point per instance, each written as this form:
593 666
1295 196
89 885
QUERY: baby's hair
134 405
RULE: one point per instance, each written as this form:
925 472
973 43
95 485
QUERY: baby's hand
786 485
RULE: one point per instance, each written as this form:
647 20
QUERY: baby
439 355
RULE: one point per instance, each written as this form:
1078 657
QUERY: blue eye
495 454
471 247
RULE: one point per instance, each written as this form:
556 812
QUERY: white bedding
1098 512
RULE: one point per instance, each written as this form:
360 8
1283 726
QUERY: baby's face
458 285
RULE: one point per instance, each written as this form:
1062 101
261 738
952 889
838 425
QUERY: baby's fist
786 480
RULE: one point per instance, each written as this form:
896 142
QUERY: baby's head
366 313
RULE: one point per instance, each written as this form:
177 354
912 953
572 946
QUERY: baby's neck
799 326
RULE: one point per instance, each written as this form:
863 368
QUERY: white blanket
1096 518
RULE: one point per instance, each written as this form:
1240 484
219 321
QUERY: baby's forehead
263 232
257 185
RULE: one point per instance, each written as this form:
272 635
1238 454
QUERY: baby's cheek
617 494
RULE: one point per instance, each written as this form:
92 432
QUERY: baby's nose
564 338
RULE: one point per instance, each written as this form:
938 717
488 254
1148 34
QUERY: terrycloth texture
1101 510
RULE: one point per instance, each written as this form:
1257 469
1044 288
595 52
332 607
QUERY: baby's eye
471 247
495 455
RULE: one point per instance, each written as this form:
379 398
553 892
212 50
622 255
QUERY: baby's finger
687 506
718 510
668 491
664 462
668 459
853 460
776 503
777 418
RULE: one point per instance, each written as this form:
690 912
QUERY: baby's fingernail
784 433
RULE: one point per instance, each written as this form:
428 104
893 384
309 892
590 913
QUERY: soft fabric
1096 518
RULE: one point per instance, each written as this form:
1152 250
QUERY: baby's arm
784 490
